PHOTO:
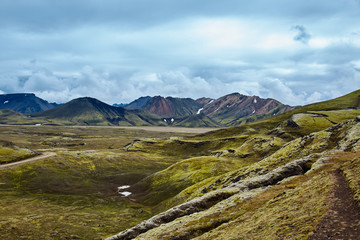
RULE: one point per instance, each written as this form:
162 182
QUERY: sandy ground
173 129
145 128
33 159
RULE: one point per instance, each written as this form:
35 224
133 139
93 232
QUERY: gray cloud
120 50
302 35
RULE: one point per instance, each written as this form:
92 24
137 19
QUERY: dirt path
343 218
33 159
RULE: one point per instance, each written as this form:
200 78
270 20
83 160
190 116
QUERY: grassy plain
73 195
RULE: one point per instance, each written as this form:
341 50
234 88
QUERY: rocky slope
166 107
230 110
279 186
234 109
24 103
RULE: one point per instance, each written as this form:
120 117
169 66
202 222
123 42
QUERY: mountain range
230 110
90 111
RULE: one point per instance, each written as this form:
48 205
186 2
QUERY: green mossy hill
228 120
90 111
198 120
252 141
167 183
8 116
9 152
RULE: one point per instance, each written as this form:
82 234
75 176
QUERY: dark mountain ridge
24 103
138 103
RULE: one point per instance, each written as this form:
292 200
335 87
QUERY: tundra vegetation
269 179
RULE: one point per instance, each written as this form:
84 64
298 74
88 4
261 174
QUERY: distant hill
119 104
235 108
139 103
24 103
167 107
90 111
231 110
8 116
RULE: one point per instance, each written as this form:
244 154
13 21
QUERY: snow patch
212 100
253 112
38 124
125 194
123 187
165 120
6 102
255 101
227 106
172 120
199 111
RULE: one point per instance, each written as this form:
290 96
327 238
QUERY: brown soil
342 220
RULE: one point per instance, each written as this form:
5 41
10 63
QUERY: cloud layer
293 51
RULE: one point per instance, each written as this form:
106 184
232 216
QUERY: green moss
290 213
172 180
14 154
291 209
351 171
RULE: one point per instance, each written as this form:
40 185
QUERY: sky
297 52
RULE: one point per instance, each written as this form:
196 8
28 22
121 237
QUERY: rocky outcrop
297 167
240 105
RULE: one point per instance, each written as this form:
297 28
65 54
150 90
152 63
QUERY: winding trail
342 220
29 160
